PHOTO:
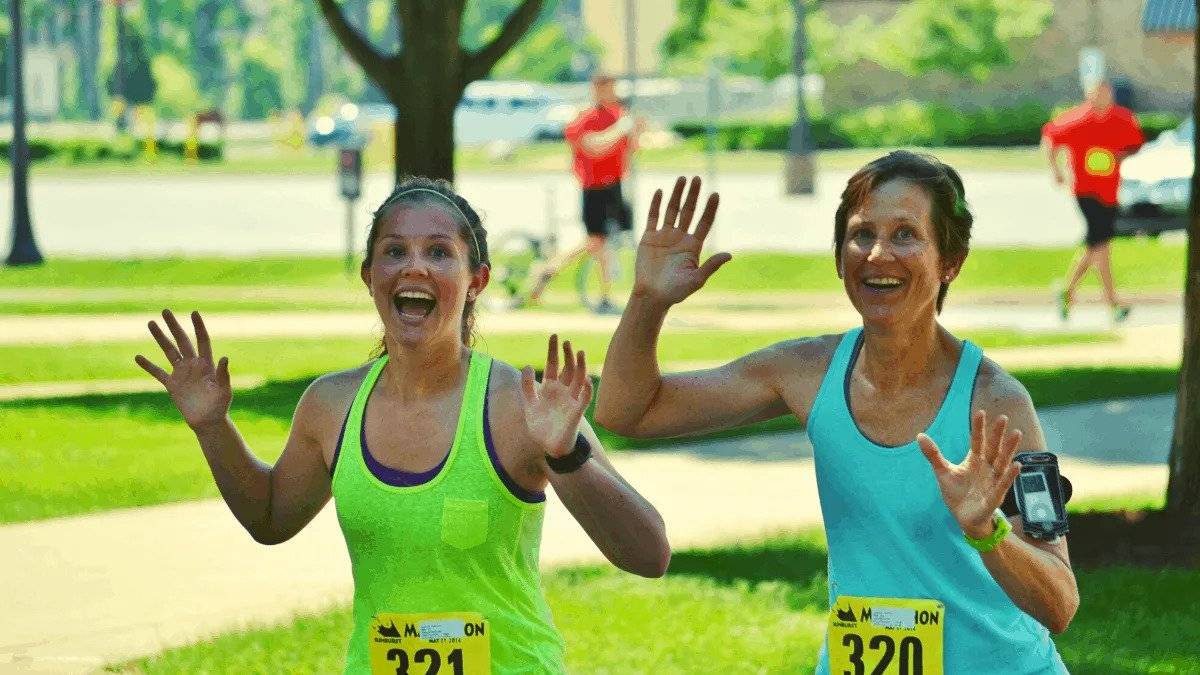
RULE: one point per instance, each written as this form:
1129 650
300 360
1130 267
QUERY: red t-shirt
602 170
1096 144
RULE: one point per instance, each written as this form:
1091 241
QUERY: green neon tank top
459 542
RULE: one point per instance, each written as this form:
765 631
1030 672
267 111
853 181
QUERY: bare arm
626 528
1052 153
271 503
636 399
598 143
623 525
1036 576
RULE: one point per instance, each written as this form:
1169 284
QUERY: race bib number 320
886 636
454 643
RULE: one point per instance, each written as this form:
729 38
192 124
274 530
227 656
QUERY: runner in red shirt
1098 134
601 139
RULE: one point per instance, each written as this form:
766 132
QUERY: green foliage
91 150
545 55
968 38
904 123
262 91
137 83
178 94
715 31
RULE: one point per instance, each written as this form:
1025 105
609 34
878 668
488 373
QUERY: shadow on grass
795 560
273 399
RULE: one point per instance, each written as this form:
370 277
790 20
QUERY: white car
517 112
1156 184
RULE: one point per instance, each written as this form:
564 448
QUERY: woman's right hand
668 257
199 389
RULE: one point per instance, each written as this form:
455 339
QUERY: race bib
453 643
885 636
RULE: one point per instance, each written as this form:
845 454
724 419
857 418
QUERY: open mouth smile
414 305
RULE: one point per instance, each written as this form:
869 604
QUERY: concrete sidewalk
83 591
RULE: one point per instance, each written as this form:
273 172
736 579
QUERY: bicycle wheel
514 256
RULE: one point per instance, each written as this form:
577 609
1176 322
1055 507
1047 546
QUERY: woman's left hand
554 406
974 489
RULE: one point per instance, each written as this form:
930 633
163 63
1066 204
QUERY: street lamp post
24 247
799 171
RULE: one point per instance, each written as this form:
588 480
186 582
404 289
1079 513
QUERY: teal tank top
890 534
455 539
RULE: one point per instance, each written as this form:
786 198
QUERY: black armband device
572 460
1040 495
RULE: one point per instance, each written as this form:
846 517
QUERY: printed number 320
910 654
430 656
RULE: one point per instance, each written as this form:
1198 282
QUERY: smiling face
890 264
419 273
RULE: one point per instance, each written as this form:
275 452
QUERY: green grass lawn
89 286
288 358
266 159
91 453
752 608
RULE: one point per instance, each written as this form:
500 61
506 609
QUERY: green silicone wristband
990 542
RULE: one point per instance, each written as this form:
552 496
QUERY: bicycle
524 264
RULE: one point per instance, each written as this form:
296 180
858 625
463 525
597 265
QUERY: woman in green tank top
436 457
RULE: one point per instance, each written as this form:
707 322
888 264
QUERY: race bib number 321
885 636
454 643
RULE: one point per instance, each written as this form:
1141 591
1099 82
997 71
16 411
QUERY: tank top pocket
464 522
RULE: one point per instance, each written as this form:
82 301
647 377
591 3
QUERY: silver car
1156 184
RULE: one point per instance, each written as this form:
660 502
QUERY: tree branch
480 63
375 64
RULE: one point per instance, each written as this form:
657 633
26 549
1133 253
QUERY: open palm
200 390
668 256
554 406
974 489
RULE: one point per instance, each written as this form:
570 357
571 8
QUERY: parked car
490 110
1156 184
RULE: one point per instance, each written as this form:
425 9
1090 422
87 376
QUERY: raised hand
668 256
199 389
554 406
974 489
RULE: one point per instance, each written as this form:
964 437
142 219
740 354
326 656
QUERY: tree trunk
1183 487
425 124
24 246
426 81
799 171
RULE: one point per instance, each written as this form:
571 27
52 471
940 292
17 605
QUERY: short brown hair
951 218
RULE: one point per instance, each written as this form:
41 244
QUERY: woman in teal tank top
914 431
437 458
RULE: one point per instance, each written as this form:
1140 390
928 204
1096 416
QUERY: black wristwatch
572 460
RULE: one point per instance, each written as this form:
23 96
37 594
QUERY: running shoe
1064 306
1121 312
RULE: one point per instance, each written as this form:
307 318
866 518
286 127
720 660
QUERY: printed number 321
455 659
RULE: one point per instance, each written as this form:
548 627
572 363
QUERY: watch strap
572 460
990 542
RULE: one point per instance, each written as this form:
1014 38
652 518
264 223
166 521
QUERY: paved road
126 215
